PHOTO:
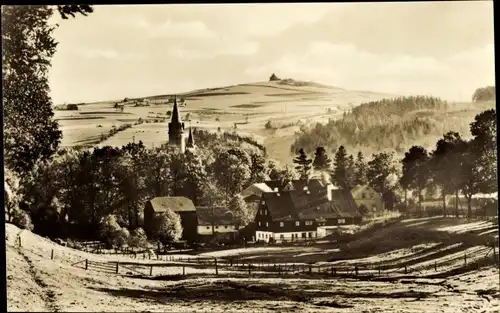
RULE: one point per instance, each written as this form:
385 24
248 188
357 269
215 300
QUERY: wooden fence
237 265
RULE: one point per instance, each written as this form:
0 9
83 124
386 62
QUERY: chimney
329 189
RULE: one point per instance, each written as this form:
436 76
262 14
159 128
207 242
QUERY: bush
167 227
138 238
109 229
22 220
269 125
122 238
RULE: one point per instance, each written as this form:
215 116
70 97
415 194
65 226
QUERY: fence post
151 270
183 270
465 258
249 269
20 241
406 270
379 271
310 268
332 270
231 262
86 264
494 253
116 267
216 268
52 254
435 266
293 267
356 270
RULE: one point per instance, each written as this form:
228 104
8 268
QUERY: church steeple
176 128
175 112
190 141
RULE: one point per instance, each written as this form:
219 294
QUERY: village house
213 220
180 205
365 196
295 215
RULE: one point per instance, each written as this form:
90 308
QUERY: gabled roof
255 189
312 184
217 215
298 204
176 204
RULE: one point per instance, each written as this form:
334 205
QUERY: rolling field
250 106
35 282
283 103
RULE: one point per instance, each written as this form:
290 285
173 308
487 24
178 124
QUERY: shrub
167 227
22 219
109 229
122 238
269 125
138 238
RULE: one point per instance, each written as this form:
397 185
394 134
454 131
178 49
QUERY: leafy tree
484 94
483 128
30 132
379 173
167 227
157 171
321 160
303 164
416 170
360 170
342 169
445 165
240 211
258 170
231 173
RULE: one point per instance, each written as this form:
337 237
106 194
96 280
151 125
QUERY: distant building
304 214
180 205
366 196
176 129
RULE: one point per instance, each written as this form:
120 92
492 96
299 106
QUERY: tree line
454 166
484 94
387 124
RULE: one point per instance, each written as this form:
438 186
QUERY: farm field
250 106
58 284
287 104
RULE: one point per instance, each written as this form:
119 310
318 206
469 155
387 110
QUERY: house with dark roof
295 215
254 192
180 205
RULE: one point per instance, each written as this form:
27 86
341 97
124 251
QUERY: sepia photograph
250 157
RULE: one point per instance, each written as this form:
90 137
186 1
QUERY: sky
444 49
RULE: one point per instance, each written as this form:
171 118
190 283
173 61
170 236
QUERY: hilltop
287 103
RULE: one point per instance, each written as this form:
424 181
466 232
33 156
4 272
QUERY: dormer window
297 223
309 222
282 224
263 202
267 224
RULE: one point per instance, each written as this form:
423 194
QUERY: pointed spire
175 112
190 141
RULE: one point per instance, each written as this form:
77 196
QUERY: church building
176 131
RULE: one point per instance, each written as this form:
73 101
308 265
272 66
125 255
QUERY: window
216 227
267 224
282 224
265 212
341 221
225 227
309 222
282 236
208 227
297 223
259 223
310 235
304 235
263 202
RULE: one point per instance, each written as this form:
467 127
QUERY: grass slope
35 282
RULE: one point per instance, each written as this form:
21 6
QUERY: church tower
190 146
176 128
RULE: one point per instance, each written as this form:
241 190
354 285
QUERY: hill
391 125
288 103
